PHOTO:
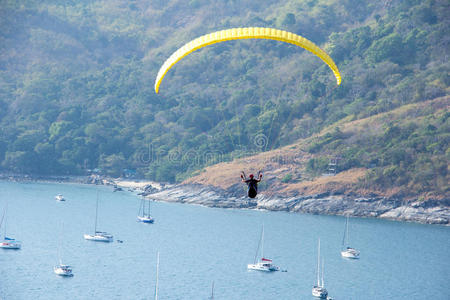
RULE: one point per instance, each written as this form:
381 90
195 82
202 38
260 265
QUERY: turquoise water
200 245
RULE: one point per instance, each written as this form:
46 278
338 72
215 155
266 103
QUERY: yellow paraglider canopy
244 33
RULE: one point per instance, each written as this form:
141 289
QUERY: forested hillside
76 85
398 154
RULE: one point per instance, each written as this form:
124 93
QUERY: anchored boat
264 264
98 236
347 251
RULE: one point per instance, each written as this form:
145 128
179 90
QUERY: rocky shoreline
427 212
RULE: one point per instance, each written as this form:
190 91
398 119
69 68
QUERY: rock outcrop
431 212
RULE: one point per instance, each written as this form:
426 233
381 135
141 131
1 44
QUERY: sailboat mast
212 291
347 236
323 263
59 244
259 245
3 216
262 242
157 275
6 221
144 213
318 264
96 215
148 208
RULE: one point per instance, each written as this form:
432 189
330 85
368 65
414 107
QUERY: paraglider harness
252 184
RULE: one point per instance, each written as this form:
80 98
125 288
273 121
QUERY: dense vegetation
76 85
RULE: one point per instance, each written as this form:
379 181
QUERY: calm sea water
200 245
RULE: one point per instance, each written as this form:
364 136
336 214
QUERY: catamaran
144 214
264 264
7 242
347 251
98 236
319 289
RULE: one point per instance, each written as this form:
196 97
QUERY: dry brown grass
339 183
292 159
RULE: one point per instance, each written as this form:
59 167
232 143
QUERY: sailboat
7 242
319 289
59 197
212 292
98 236
61 269
264 264
347 251
157 275
144 214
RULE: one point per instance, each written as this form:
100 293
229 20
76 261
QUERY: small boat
98 236
59 197
63 270
264 264
7 242
144 214
347 251
319 289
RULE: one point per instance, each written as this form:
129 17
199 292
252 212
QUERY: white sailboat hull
350 253
319 292
63 270
145 219
11 245
264 267
59 198
98 237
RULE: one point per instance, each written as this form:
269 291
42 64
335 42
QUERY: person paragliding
252 183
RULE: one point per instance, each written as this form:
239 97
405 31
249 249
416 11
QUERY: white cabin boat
264 264
347 251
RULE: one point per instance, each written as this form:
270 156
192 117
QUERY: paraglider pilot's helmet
251 176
